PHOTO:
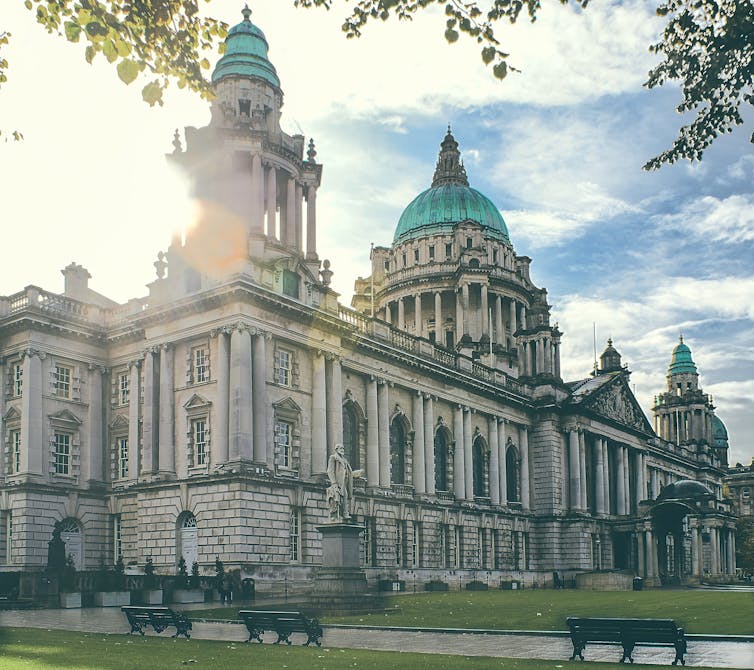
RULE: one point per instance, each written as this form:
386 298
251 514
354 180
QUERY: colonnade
273 205
678 425
508 314
603 485
539 355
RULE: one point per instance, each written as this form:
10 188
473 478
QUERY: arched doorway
70 533
188 541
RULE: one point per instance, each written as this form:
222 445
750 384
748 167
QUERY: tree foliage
745 544
707 46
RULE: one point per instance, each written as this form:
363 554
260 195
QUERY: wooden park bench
159 618
282 623
628 633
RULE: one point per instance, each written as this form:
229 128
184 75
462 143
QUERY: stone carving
618 405
340 491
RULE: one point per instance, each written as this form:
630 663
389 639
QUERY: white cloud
729 220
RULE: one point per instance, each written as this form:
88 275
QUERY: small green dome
450 200
245 54
719 432
681 361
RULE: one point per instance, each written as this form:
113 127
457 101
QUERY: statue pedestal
340 584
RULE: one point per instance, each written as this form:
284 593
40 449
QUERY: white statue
340 491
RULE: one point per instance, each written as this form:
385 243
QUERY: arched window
511 473
351 437
441 460
188 545
478 456
70 533
397 451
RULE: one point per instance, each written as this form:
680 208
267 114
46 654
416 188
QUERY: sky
639 257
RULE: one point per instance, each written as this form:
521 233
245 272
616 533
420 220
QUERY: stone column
512 318
373 435
639 491
582 472
401 315
311 223
134 395
494 461
524 437
290 214
485 311
271 202
523 317
732 551
606 475
502 463
574 472
299 217
654 482
149 429
418 315
429 444
439 331
695 571
257 194
384 423
166 451
641 567
627 480
556 359
500 332
264 450
221 373
319 414
241 425
335 406
468 454
91 467
620 483
459 476
715 550
599 472
418 446
389 314
465 307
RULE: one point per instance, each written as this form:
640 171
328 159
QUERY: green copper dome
449 201
681 361
246 54
719 432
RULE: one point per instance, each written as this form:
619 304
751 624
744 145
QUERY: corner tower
255 185
451 276
685 415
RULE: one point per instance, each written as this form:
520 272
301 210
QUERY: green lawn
32 649
697 611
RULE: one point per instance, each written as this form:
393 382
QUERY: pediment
12 414
196 401
66 418
616 402
119 421
287 405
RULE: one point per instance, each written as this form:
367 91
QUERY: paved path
718 654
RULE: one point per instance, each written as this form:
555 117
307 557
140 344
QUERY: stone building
197 421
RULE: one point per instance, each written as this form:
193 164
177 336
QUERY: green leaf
128 70
72 31
500 70
111 53
90 53
27 4
451 36
152 93
123 48
488 53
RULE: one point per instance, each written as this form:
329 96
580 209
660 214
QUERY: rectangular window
199 365
415 547
283 431
404 260
15 451
199 438
431 252
61 381
284 367
469 242
399 543
124 385
295 539
367 539
9 538
448 251
416 255
456 547
117 544
18 379
494 256
62 453
496 549
482 540
449 339
444 537
122 445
